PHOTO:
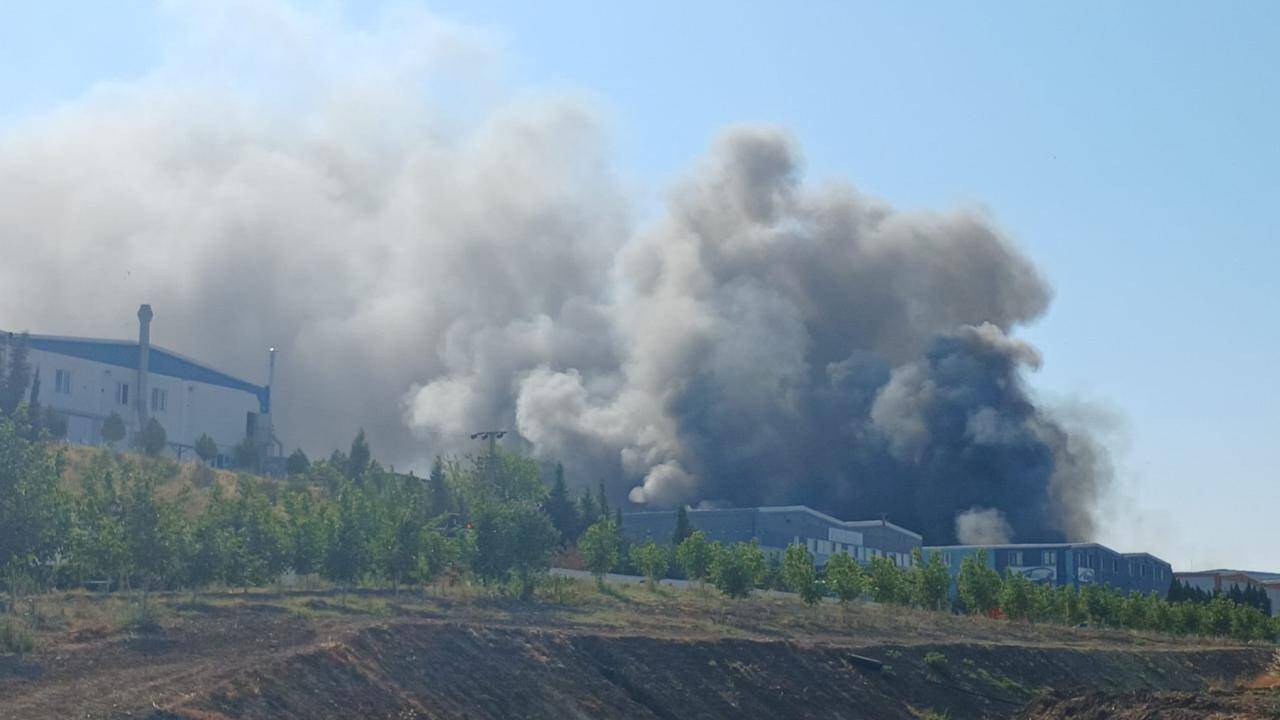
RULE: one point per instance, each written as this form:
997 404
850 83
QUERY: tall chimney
271 374
144 352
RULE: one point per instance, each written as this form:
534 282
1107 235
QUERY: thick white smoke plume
435 256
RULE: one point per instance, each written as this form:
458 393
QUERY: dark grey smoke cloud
430 272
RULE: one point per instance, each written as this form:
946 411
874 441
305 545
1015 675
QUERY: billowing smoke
434 259
982 526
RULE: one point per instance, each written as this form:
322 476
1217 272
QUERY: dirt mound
1213 705
441 670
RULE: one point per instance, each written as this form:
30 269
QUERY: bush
799 574
888 583
651 560
15 637
846 577
206 448
694 556
936 662
978 584
736 570
153 438
599 548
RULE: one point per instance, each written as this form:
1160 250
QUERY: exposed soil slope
447 671
628 653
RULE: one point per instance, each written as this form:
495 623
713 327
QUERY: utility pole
491 459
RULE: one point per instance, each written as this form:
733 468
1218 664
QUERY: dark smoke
429 274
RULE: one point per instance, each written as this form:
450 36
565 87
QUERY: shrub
799 574
153 438
15 637
206 448
736 570
693 555
651 560
846 577
599 548
978 584
888 583
936 662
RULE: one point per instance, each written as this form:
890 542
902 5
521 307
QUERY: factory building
777 527
87 380
1223 580
1075 564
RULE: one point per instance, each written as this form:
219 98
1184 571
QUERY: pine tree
560 508
604 502
298 463
359 457
441 503
683 530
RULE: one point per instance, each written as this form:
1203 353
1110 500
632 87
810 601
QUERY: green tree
16 376
514 540
206 449
683 529
153 438
846 577
799 574
560 508
735 570
298 463
33 511
348 552
652 560
888 582
1016 596
694 555
436 553
359 458
439 489
978 584
929 580
1099 605
113 429
1070 609
599 548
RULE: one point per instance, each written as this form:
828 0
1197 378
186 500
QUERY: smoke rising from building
434 254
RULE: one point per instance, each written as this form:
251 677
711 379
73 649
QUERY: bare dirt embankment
631 654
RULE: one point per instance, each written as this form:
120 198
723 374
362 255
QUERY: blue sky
1128 147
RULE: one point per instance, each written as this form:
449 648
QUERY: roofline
134 343
1259 577
794 508
1056 546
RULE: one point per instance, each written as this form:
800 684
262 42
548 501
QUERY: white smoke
983 526
437 254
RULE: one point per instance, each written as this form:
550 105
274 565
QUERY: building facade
1223 580
87 380
777 527
1075 564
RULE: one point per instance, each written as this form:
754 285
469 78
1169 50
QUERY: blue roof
124 353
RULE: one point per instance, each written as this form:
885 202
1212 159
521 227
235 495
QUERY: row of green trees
738 569
481 516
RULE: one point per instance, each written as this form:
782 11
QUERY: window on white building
1015 558
122 393
62 382
1050 557
159 400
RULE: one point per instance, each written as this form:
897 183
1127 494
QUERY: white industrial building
87 380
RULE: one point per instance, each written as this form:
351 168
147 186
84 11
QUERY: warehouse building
87 380
777 527
1075 564
1223 580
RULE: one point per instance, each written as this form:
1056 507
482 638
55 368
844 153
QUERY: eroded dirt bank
443 670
